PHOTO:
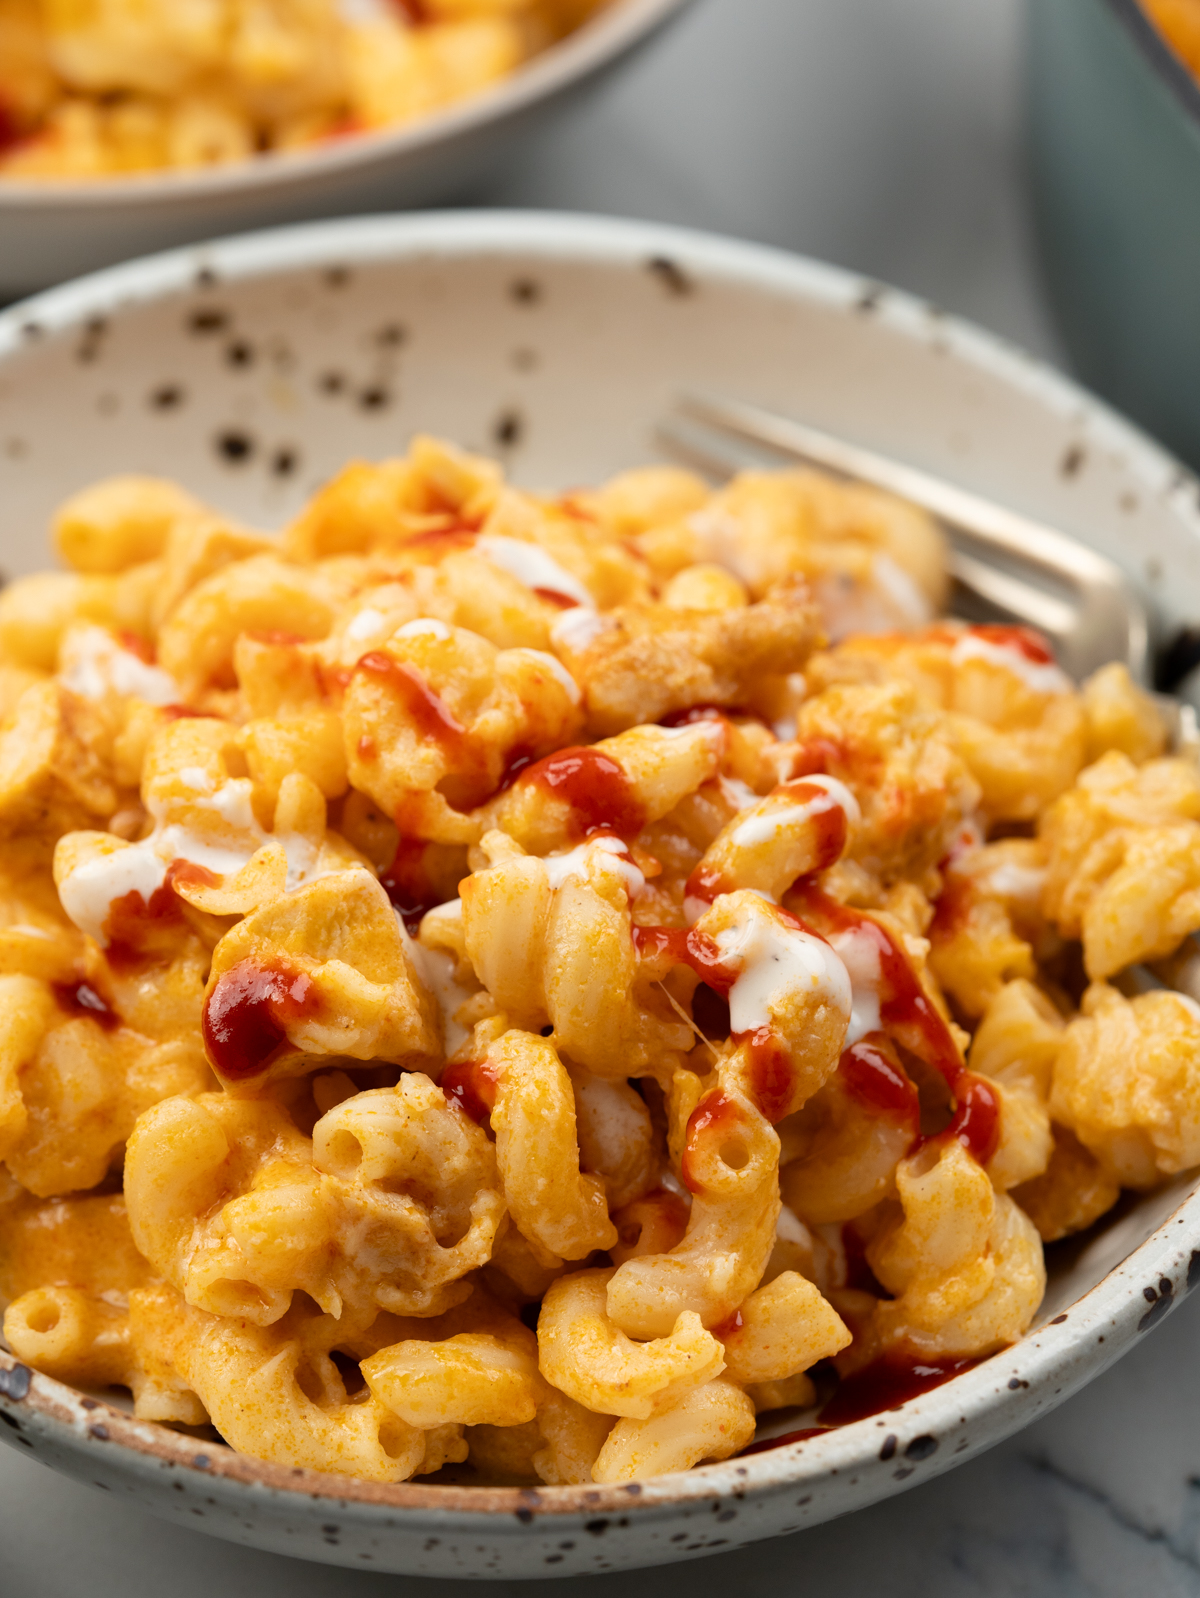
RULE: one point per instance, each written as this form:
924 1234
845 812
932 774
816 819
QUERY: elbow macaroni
484 983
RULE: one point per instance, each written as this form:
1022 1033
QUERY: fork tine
1106 621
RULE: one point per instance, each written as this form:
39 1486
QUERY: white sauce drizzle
424 627
577 629
774 961
720 539
898 585
366 624
556 669
737 793
531 565
859 954
1039 678
575 864
1011 881
769 825
87 895
97 666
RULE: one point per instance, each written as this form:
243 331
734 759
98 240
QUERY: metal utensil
1004 565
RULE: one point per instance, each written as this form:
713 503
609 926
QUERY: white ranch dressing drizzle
424 627
366 623
1011 881
531 565
556 669
771 824
859 953
574 864
97 666
774 961
88 893
577 629
1038 677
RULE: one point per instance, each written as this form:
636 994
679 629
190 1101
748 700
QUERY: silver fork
1004 565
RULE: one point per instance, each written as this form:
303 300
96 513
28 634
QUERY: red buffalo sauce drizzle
186 713
686 946
471 1084
871 1072
80 1000
707 883
246 1015
596 788
520 758
430 714
130 917
406 882
905 1009
952 909
10 132
439 541
1022 640
816 757
782 1441
554 596
770 1077
725 1329
886 1383
716 1115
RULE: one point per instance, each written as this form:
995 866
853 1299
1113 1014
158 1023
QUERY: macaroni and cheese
534 983
97 88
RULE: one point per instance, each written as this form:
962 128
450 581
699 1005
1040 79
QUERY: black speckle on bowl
14 1382
524 359
233 447
671 275
525 291
870 299
921 1447
240 353
285 460
332 383
207 321
91 340
1073 461
336 277
508 430
391 335
375 397
166 397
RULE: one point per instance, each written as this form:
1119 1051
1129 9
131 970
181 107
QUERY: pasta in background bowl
128 126
479 910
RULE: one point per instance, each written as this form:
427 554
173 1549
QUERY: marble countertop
883 135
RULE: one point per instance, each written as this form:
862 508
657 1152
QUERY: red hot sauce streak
908 1014
782 1441
429 713
596 788
246 1015
770 1076
471 1084
80 1001
407 884
887 1383
716 1115
871 1073
1021 640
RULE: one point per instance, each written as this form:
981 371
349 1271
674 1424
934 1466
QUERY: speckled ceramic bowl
250 371
52 231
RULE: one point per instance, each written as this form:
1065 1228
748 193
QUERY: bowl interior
252 370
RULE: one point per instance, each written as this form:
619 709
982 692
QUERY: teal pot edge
1114 153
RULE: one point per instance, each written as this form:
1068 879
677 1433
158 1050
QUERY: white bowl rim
599 40
997 1396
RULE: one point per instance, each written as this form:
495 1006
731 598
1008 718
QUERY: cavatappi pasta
518 982
97 88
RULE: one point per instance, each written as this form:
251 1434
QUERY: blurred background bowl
53 230
1115 147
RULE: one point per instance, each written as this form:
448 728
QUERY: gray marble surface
884 135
